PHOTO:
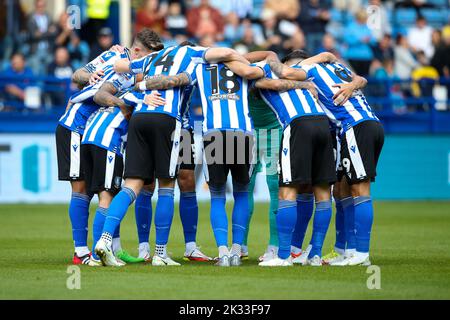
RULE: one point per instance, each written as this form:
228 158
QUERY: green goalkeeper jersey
263 117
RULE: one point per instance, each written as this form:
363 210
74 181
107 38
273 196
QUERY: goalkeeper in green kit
268 133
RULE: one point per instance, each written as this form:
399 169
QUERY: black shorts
187 150
68 152
235 154
152 147
337 153
103 169
360 150
306 152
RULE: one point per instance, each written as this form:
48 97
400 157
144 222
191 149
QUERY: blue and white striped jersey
169 61
83 106
355 110
107 129
224 97
291 104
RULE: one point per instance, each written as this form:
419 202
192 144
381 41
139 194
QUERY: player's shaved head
148 40
296 55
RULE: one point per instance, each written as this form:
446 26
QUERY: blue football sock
118 209
240 212
340 226
322 218
349 222
286 219
219 220
164 215
189 215
363 222
79 217
305 207
143 214
97 228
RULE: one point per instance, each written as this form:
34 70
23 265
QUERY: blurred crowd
364 33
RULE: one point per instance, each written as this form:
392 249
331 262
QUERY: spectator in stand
205 20
63 31
176 22
359 39
98 14
152 15
384 50
14 93
404 61
247 44
286 9
207 41
79 51
105 40
441 58
424 78
295 42
61 69
233 28
329 45
243 8
271 31
419 37
313 18
41 32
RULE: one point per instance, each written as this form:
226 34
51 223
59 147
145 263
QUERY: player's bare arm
256 56
222 54
122 66
245 70
163 82
284 85
81 77
285 72
324 57
106 97
346 89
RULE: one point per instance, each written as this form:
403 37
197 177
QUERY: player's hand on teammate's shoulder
312 88
96 76
343 94
154 99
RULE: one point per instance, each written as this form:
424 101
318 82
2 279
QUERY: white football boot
105 252
271 253
303 257
159 261
315 261
277 262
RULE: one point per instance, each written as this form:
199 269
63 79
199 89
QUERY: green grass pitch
411 245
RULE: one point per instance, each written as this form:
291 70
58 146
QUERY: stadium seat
436 17
405 16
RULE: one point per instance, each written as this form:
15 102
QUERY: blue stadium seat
405 16
440 3
436 17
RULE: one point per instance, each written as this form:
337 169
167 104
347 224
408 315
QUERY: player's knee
186 181
150 187
287 193
361 189
305 188
217 190
79 187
